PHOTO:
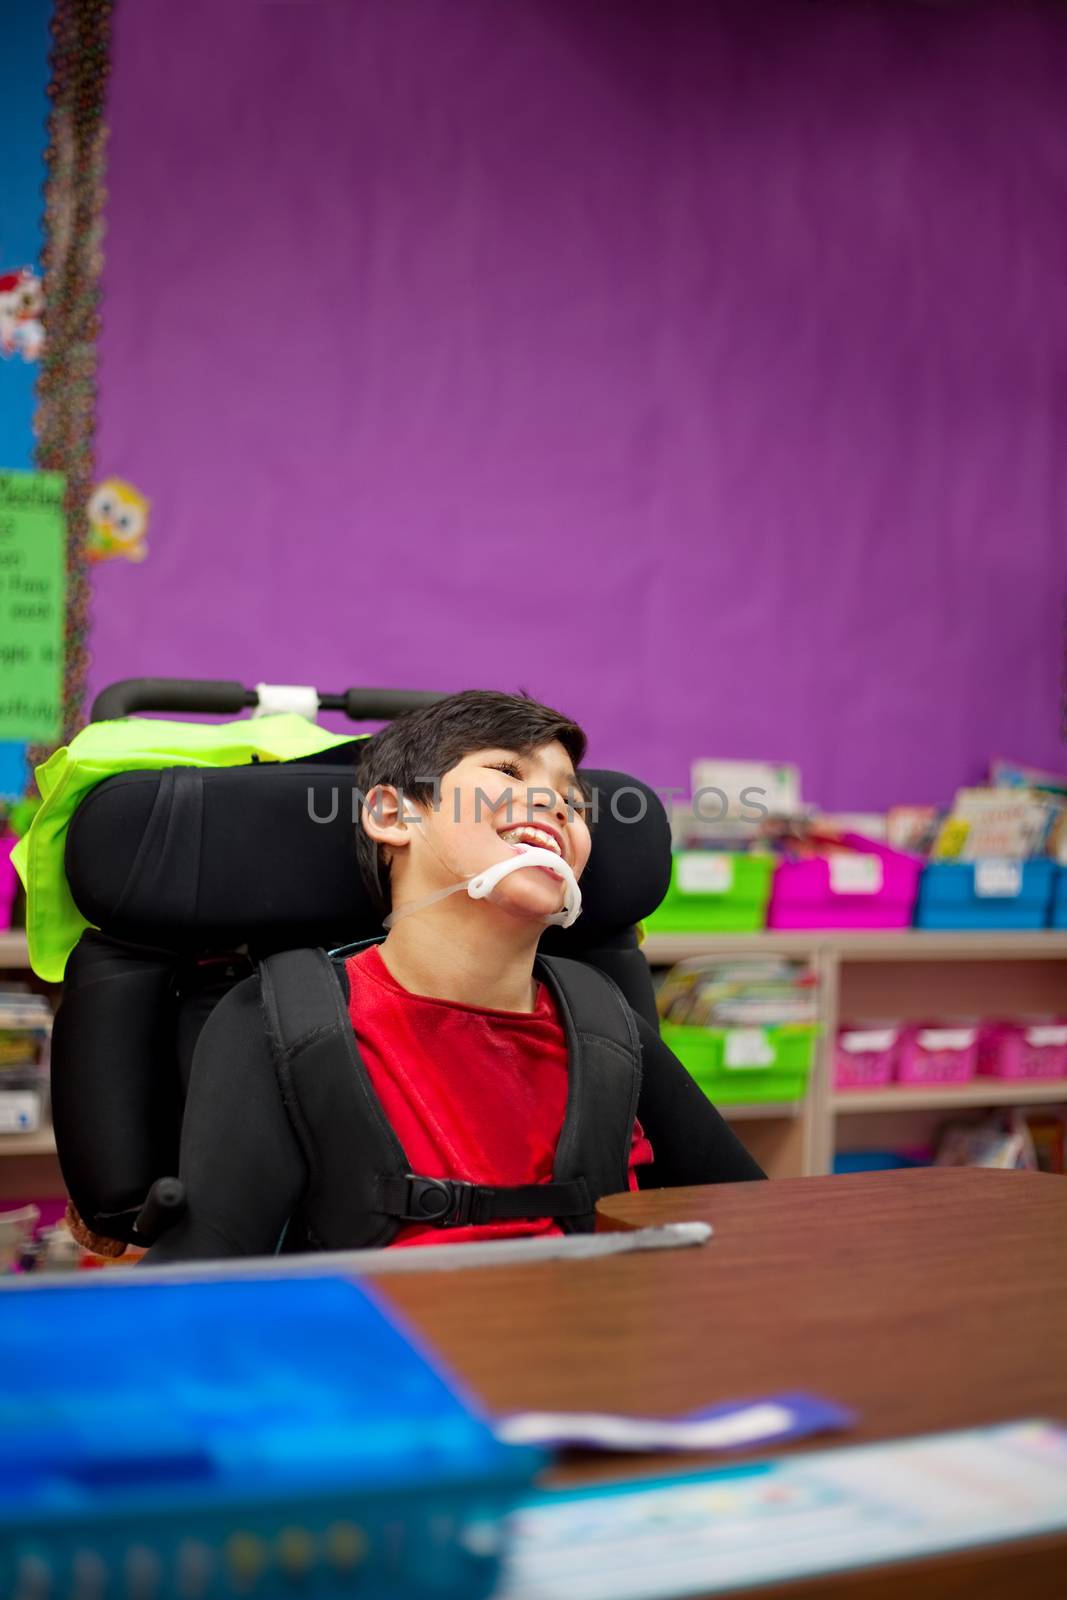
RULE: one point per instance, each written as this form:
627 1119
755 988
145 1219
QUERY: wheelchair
191 876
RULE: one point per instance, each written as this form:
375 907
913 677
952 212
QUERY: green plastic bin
746 1065
713 891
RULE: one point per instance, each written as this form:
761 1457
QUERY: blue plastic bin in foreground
257 1437
985 894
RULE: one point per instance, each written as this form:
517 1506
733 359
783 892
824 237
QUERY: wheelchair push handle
378 705
204 696
122 699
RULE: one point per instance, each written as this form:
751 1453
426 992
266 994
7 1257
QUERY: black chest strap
450 1203
361 1187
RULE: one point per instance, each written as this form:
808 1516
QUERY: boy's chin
527 902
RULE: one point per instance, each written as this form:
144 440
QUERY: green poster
33 562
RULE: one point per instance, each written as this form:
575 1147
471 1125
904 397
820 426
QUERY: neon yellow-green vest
53 922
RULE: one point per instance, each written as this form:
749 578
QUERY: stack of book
25 1037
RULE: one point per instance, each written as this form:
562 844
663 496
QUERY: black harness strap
345 1135
361 1187
603 1081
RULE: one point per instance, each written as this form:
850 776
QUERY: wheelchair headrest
196 858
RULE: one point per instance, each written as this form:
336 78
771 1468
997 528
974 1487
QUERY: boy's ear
383 817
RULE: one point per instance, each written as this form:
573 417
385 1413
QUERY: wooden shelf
14 952
764 1111
905 944
42 1143
978 1093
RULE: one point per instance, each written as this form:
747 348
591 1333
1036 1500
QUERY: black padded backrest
194 858
201 859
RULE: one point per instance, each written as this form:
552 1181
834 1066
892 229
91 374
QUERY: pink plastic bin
864 1057
942 1052
870 886
1036 1048
8 880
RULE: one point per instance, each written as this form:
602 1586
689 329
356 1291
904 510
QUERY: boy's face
490 801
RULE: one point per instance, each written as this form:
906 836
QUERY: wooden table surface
924 1300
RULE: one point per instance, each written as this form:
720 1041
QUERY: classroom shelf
29 1165
910 974
909 944
947 1096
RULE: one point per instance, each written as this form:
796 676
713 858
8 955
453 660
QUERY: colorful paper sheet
799 1516
33 541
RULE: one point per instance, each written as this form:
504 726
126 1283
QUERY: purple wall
699 367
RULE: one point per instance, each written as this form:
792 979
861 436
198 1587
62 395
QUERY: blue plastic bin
262 1437
1059 899
985 894
846 1161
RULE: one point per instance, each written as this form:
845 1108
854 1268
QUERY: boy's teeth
531 836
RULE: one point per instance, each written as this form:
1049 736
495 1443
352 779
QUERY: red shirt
471 1093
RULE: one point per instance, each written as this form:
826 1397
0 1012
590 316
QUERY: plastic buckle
442 1202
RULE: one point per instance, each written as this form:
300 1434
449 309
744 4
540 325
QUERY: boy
457 1031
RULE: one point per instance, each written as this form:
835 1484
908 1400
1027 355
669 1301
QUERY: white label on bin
20 1111
856 874
705 872
1046 1034
946 1038
859 1041
747 1048
995 879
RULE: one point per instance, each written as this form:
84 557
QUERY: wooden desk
925 1300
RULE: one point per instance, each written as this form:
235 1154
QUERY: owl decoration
118 522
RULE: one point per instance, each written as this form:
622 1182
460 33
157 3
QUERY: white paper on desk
722 1427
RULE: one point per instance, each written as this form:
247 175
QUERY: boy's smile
541 837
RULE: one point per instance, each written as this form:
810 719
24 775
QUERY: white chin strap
532 856
481 886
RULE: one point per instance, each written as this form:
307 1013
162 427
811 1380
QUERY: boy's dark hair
419 747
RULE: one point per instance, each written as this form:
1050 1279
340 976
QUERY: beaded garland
72 257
